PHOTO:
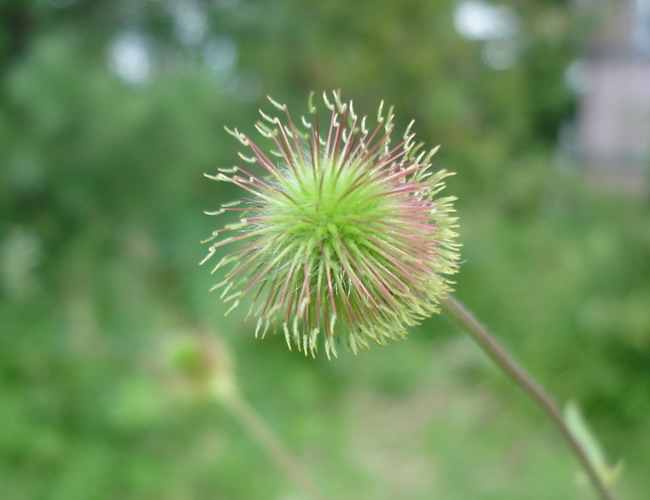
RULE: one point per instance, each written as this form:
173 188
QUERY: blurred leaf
583 434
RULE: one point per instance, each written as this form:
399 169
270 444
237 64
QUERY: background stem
270 442
466 320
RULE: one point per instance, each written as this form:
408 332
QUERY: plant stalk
466 320
275 448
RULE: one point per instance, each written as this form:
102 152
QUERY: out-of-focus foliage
101 194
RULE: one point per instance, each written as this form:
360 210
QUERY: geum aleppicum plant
343 236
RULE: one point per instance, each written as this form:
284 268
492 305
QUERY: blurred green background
111 111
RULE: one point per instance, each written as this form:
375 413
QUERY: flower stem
270 442
466 320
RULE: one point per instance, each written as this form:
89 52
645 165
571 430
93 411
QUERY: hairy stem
466 320
270 442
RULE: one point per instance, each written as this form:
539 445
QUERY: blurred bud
344 237
201 366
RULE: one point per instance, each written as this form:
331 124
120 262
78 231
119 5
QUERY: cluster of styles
342 236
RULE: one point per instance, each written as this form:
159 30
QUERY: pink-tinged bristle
287 151
335 153
304 291
258 180
330 288
327 153
263 160
295 136
354 279
349 142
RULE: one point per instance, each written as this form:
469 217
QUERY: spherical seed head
342 237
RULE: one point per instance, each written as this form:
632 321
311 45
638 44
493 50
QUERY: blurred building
614 112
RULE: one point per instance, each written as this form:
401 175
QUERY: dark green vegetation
101 194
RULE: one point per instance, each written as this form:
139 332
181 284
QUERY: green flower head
341 234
